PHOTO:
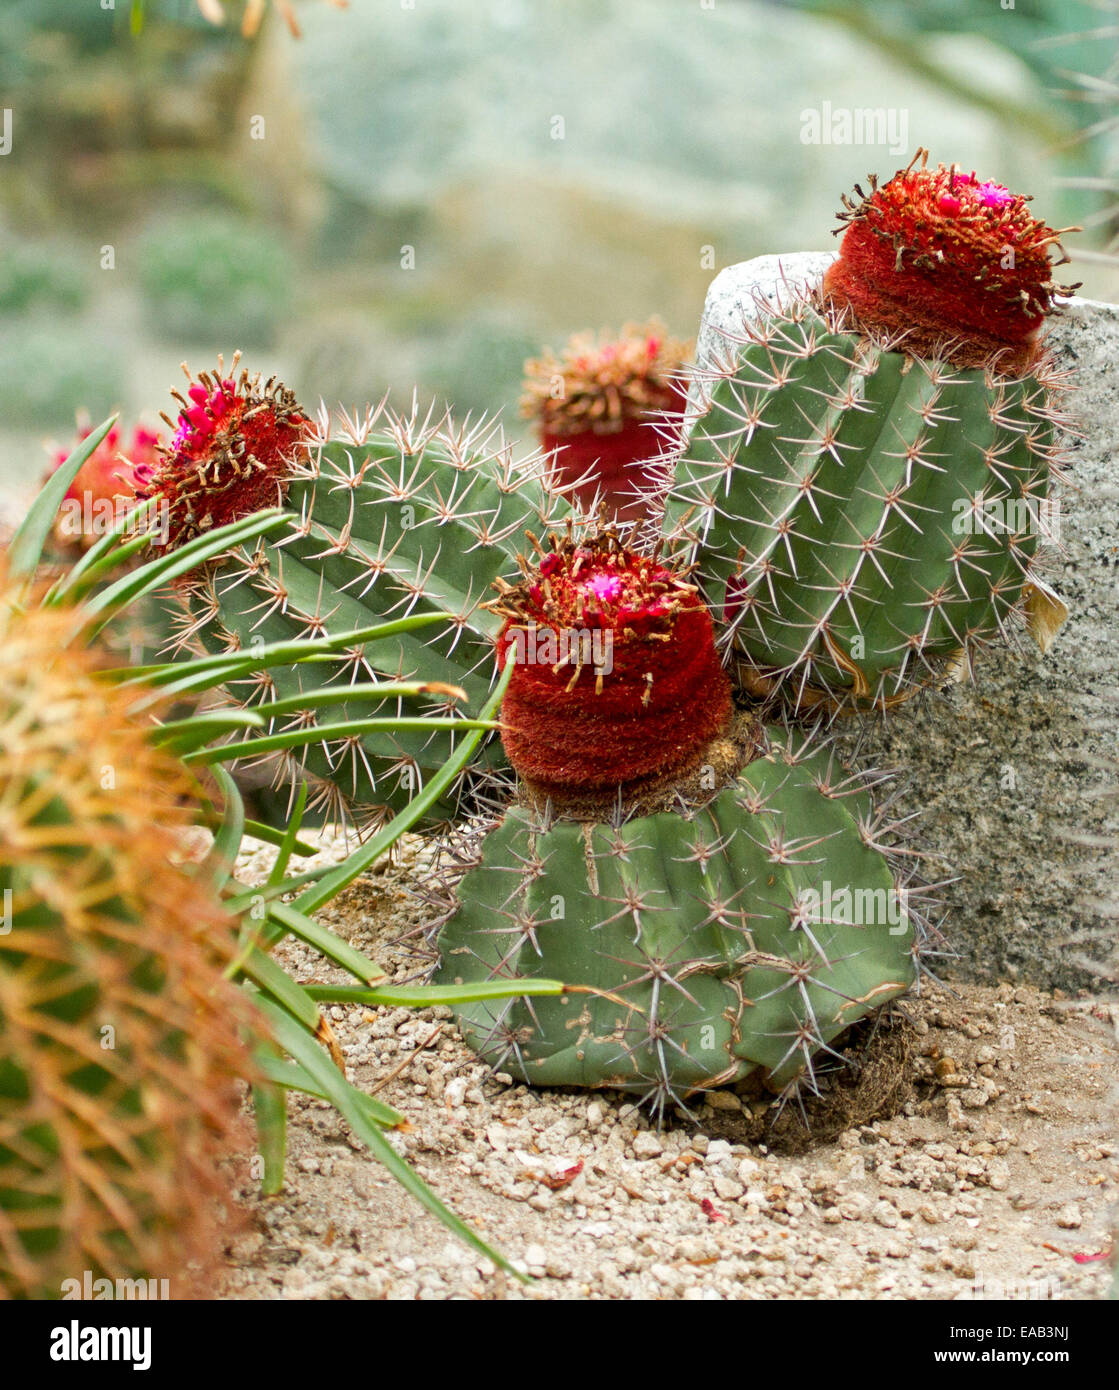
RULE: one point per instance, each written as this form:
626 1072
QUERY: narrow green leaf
208 671
321 733
182 560
343 694
257 830
293 1077
427 996
101 557
276 983
227 840
289 841
271 836
343 1096
331 881
324 940
25 550
270 1108
413 1184
181 736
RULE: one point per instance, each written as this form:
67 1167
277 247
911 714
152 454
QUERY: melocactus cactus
119 1038
389 518
617 684
721 894
597 407
955 263
863 510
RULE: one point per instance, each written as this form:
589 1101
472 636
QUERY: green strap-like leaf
292 1077
257 830
181 736
227 839
270 1108
103 556
344 1097
271 836
134 585
331 881
324 940
290 840
206 672
26 548
322 733
275 983
428 996
343 694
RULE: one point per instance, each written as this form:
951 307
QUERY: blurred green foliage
48 372
87 25
38 276
477 364
216 277
1071 45
1047 35
78 81
432 130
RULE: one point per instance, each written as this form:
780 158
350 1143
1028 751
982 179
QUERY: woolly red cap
236 444
954 262
659 694
597 405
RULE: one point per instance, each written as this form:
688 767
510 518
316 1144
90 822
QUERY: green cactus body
860 517
714 944
386 524
119 1037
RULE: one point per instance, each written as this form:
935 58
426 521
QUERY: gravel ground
998 1175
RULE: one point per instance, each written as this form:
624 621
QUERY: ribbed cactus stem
860 519
740 935
390 518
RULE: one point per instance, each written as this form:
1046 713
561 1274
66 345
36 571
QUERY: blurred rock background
420 195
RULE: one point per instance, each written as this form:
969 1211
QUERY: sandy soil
997 1174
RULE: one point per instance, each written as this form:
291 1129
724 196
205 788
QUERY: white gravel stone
647 1144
